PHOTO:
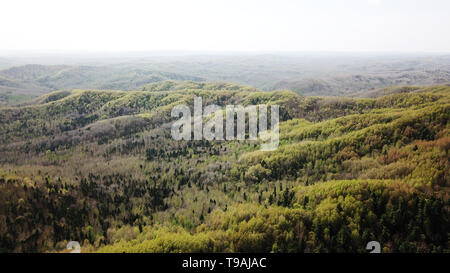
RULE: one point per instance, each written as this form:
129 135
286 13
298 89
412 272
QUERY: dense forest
100 167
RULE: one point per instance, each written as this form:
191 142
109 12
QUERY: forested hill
101 168
306 74
21 83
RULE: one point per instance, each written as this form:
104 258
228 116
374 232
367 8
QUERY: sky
225 25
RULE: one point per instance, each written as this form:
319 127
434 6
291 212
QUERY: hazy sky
226 25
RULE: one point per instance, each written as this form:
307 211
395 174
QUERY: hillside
100 167
20 83
306 74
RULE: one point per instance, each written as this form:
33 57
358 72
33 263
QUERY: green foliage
339 216
101 168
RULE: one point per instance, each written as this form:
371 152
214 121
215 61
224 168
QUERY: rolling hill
100 167
349 75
